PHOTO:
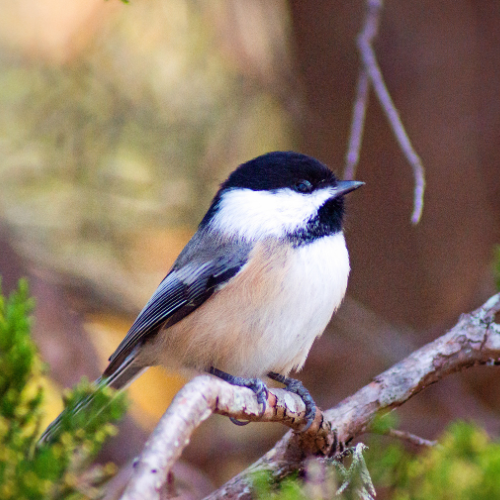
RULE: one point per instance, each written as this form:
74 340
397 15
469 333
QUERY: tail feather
121 377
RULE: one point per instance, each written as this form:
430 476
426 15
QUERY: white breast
315 287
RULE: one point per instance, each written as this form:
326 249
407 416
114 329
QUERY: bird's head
280 194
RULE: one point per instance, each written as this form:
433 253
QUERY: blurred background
118 122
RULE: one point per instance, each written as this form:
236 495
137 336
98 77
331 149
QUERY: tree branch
371 70
474 340
194 403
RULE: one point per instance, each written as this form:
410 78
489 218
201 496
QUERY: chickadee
254 287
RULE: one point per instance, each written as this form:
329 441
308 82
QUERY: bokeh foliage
131 133
60 468
465 465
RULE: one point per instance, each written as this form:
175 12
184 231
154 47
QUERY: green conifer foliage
61 468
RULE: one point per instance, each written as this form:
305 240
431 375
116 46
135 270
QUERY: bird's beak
344 187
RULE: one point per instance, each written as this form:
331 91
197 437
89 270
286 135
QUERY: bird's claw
254 384
296 386
260 390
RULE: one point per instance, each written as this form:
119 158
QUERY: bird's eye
303 187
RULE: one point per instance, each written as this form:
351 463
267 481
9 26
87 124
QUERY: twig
371 70
474 340
357 125
411 438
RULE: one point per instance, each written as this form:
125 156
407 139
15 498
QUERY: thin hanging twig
357 125
371 70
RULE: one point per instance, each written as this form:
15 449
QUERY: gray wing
200 269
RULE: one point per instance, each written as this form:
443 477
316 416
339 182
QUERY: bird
254 287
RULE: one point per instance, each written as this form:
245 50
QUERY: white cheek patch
258 214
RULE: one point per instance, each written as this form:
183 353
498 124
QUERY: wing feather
182 291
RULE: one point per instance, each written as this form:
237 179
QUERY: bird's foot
295 386
255 384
